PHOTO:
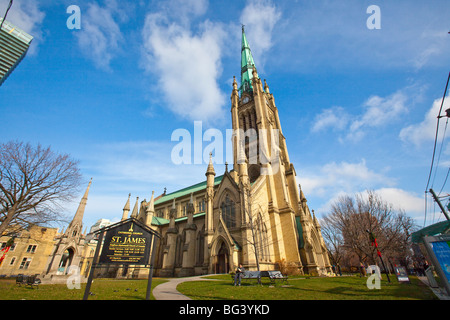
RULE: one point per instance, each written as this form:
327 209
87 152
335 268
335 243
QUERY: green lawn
298 288
103 289
307 288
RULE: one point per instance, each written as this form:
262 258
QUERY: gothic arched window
200 246
228 212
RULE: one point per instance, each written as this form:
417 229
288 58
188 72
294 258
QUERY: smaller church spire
302 195
127 204
151 205
82 206
150 211
266 87
126 208
210 169
135 212
234 83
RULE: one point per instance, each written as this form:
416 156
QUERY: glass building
14 44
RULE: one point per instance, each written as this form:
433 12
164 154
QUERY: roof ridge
186 190
194 185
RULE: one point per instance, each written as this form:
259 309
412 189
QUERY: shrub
288 267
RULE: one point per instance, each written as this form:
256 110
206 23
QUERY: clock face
246 99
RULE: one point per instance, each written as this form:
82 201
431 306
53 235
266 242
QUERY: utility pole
439 204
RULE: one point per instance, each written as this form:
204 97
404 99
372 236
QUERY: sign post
91 272
128 242
150 272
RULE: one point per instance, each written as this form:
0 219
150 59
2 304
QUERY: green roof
247 65
186 191
161 221
432 230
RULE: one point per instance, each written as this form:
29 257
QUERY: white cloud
402 199
184 10
433 46
187 63
333 118
260 17
186 55
380 111
377 112
326 184
425 131
334 178
100 35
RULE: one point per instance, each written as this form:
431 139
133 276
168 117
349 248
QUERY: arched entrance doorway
66 261
222 264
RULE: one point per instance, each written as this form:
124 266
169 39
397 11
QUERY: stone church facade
254 214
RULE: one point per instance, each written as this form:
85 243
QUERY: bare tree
34 183
351 218
335 240
253 242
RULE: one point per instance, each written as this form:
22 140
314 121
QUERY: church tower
75 227
261 158
69 245
253 215
259 145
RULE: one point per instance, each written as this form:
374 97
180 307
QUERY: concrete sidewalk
168 290
441 293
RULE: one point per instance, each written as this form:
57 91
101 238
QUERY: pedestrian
339 269
239 272
362 269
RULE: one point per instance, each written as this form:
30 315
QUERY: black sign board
126 244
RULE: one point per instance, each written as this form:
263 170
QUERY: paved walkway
441 293
168 290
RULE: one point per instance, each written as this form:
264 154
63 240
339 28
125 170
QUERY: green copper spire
247 65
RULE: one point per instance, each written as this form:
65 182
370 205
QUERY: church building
254 214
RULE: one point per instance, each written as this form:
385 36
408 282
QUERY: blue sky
358 106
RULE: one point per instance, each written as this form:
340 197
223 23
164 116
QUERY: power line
434 148
6 13
440 152
445 181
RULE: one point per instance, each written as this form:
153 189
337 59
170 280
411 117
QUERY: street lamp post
373 240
